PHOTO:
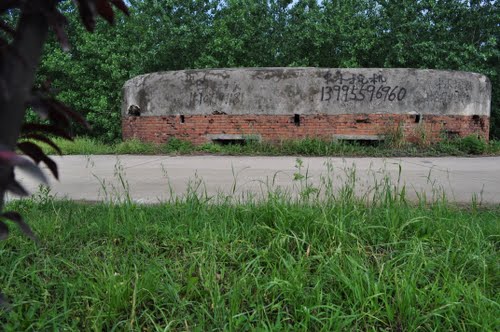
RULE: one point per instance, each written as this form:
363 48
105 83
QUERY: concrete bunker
273 104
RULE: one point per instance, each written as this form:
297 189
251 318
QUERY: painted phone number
369 92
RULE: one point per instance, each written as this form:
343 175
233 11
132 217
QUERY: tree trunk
17 73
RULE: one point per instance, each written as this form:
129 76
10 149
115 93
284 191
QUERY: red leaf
18 219
11 159
59 113
46 129
39 107
46 109
104 9
57 117
14 187
121 6
58 23
67 112
37 154
32 150
87 13
45 140
52 166
77 117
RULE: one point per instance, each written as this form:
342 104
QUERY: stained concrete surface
151 179
304 91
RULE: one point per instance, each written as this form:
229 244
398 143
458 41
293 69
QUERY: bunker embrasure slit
230 139
364 120
226 141
296 120
365 140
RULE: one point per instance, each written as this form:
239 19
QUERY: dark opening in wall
229 141
360 140
183 119
364 142
418 118
452 134
134 110
296 119
478 121
365 120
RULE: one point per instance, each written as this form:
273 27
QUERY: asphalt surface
152 179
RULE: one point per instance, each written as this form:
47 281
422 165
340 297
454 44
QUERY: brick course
196 128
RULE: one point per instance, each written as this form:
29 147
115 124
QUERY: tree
241 36
88 78
21 47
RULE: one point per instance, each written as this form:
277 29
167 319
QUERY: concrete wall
281 103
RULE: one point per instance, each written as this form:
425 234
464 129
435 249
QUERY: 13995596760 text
351 92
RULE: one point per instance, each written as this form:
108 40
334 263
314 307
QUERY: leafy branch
20 52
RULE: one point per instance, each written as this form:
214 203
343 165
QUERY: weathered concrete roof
308 91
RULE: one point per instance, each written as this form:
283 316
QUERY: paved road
151 179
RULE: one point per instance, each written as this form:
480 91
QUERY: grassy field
283 264
307 147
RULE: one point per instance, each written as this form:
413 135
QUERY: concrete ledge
359 137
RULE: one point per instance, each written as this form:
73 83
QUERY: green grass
283 264
306 147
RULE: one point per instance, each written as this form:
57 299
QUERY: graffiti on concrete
205 96
360 88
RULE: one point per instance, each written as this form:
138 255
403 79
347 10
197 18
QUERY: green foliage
473 145
448 147
281 264
305 147
395 137
134 146
171 35
81 145
211 148
175 145
493 147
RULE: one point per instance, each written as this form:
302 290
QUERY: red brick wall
195 128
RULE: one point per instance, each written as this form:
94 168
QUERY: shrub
472 144
177 145
395 136
134 146
494 147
